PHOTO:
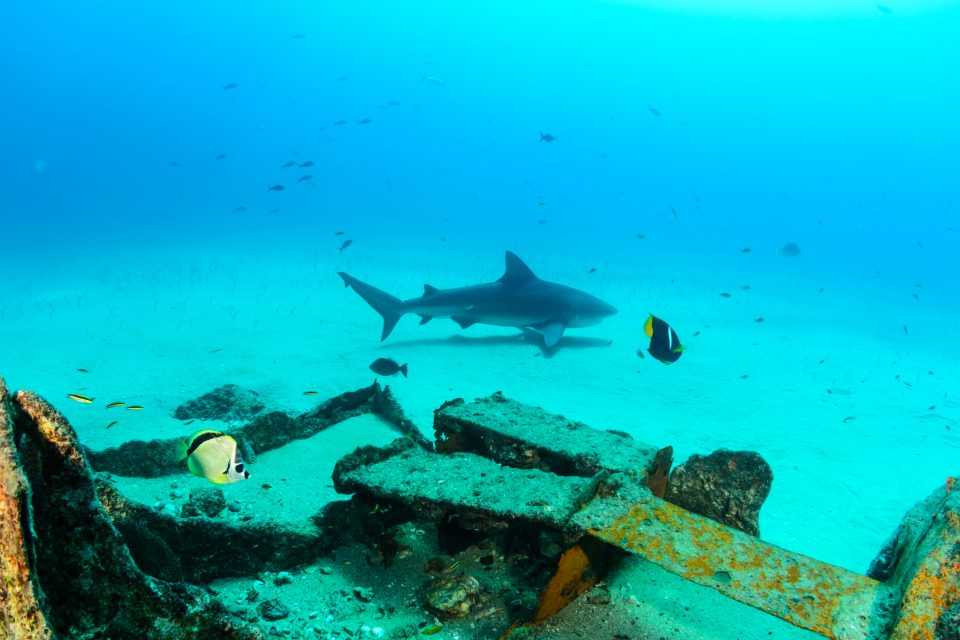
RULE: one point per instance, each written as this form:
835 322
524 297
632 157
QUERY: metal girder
503 460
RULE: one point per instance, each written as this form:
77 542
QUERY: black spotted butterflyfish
664 342
213 455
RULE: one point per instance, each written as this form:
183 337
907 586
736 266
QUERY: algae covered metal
505 461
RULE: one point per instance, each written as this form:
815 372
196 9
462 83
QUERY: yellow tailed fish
213 455
664 342
76 397
135 407
114 405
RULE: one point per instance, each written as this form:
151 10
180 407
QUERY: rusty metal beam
828 600
810 594
509 461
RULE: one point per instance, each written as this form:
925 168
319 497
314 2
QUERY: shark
517 299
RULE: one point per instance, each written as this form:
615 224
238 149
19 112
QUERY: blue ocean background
129 249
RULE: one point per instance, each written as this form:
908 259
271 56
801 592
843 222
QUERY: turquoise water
129 249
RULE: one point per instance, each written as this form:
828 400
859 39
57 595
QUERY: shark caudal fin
390 308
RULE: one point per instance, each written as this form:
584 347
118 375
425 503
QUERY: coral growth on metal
807 593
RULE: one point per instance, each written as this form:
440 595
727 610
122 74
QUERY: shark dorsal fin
516 272
428 290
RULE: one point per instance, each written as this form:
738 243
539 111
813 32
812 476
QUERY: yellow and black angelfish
664 342
213 455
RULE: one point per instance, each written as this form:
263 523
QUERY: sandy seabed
857 417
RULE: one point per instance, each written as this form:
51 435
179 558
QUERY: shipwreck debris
66 570
526 437
267 431
452 596
517 501
207 501
199 549
494 455
925 569
228 402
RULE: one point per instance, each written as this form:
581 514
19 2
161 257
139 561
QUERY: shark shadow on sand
526 338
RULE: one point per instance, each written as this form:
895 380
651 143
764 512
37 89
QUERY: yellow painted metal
810 594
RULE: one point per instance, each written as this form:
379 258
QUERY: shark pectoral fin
425 319
552 332
463 322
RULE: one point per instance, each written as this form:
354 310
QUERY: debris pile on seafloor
493 530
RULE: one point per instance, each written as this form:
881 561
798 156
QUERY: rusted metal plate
810 594
525 463
807 593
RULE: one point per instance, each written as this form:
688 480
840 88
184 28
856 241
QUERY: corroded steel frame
615 505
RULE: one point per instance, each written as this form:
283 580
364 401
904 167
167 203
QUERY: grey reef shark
518 299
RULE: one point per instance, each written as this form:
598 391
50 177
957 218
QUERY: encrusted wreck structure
529 514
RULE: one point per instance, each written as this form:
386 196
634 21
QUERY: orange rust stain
927 597
661 515
567 583
752 561
699 566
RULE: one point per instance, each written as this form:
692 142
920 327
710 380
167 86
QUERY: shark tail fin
389 307
403 370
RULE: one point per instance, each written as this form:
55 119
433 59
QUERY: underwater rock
452 596
264 433
726 486
227 403
21 612
206 501
273 610
200 549
71 574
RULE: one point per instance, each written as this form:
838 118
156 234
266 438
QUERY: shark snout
597 308
591 312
